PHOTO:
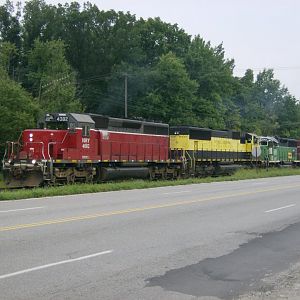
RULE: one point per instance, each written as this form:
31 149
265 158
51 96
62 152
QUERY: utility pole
125 91
40 90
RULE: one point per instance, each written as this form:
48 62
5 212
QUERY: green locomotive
277 151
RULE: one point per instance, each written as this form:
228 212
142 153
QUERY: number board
56 118
62 119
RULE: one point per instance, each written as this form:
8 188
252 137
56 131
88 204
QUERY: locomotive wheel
89 178
52 182
71 179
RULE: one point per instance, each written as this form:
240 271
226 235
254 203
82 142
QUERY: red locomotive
87 147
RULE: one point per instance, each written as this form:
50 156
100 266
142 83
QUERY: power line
125 94
106 76
118 101
94 78
282 68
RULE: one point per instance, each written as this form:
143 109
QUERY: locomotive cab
70 122
269 149
59 136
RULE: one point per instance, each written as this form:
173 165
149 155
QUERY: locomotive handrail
20 135
54 143
12 148
65 137
3 161
5 152
50 143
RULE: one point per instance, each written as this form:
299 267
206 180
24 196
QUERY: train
66 148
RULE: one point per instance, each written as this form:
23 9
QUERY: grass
2 185
137 184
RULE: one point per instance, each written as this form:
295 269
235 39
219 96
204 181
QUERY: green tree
17 109
213 73
288 116
10 27
266 106
51 77
36 21
249 109
8 53
172 94
158 38
97 42
267 91
10 38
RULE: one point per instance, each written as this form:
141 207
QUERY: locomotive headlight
33 161
30 139
31 135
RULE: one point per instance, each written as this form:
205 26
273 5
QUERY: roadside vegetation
137 184
2 185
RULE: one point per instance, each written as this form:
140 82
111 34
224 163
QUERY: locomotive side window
72 127
248 138
86 130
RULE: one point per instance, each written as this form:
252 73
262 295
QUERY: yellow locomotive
207 152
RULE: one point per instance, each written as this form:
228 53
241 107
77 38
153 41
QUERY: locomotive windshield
66 121
55 122
57 125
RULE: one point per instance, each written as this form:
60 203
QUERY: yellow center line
140 209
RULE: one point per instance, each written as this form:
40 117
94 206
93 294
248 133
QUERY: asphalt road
216 241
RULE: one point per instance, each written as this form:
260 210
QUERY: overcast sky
256 33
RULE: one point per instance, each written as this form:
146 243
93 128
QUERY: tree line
72 58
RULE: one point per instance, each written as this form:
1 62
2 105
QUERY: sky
256 33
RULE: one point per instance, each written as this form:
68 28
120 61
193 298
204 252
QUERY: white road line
176 192
21 209
54 264
283 207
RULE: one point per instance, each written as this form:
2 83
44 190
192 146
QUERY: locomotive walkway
220 240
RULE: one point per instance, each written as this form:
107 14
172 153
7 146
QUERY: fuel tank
108 174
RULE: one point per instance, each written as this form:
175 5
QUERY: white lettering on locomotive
62 119
86 143
105 135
